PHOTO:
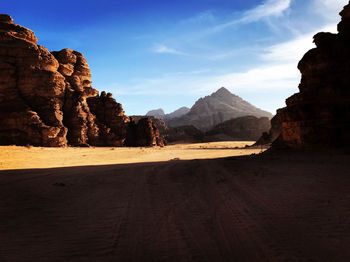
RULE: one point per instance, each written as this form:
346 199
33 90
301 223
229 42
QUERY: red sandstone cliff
46 99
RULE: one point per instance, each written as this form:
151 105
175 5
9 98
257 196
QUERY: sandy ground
269 207
14 157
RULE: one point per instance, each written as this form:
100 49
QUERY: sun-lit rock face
46 99
319 115
31 90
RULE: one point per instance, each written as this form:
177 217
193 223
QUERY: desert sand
16 157
266 207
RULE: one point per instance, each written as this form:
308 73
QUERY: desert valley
222 180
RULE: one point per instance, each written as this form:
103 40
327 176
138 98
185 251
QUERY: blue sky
166 54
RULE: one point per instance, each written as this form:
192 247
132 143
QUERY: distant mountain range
211 110
159 113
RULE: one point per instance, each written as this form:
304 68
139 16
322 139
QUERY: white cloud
258 85
201 18
267 78
163 49
267 9
290 51
329 9
270 8
293 50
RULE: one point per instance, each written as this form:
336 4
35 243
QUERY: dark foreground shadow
291 207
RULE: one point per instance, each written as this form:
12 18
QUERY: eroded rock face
46 99
110 119
319 115
31 89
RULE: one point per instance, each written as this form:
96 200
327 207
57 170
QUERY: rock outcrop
212 110
246 128
32 91
46 99
143 133
319 115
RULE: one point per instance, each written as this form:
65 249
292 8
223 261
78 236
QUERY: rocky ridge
46 98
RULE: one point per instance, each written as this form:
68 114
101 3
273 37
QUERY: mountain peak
222 91
218 107
224 95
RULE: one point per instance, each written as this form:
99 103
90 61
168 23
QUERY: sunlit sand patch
15 157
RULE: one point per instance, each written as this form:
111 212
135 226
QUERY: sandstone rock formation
246 128
46 99
110 118
29 83
212 110
319 115
143 133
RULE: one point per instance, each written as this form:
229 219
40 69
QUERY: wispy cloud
267 9
293 50
201 18
329 9
164 49
270 8
214 25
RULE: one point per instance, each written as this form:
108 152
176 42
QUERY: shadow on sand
258 208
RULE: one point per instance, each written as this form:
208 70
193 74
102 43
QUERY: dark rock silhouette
212 110
46 99
143 133
273 133
319 115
